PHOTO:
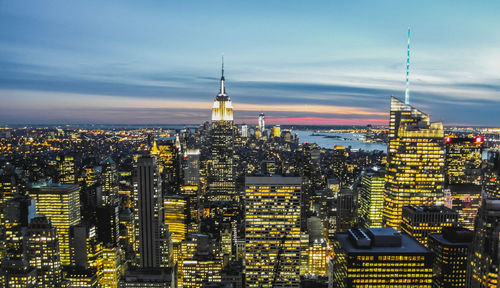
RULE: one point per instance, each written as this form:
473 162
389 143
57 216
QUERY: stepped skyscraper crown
222 109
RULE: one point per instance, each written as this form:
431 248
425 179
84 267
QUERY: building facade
415 156
272 231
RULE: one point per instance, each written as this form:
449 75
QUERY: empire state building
221 184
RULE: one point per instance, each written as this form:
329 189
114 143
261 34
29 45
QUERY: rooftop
383 242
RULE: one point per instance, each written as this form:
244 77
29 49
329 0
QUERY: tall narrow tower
221 184
153 235
262 124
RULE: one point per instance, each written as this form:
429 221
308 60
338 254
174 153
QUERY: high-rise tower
221 184
415 156
60 203
153 235
482 270
262 124
272 231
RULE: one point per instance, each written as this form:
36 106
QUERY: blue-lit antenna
407 91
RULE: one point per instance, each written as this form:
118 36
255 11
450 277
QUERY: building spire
407 90
222 86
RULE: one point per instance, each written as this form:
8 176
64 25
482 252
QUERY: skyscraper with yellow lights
60 203
174 207
43 252
419 222
221 182
463 159
66 169
272 231
372 192
415 156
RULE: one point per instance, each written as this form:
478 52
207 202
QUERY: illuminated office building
86 250
7 190
43 252
465 200
269 167
419 222
316 248
451 249
152 234
272 231
80 278
483 258
262 124
221 182
244 131
128 244
109 183
204 266
19 212
198 270
111 267
60 203
191 195
277 131
226 241
166 150
463 159
192 168
174 207
66 169
183 251
380 257
333 185
415 156
18 274
339 165
346 210
372 193
317 253
491 178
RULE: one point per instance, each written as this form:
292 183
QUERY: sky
299 62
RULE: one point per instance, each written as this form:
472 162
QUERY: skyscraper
339 165
346 210
109 182
419 222
272 231
43 252
111 267
221 183
192 168
465 200
372 197
60 203
463 160
277 131
415 156
66 169
175 212
262 124
244 131
153 235
451 249
484 255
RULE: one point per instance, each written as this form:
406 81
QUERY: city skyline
298 63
